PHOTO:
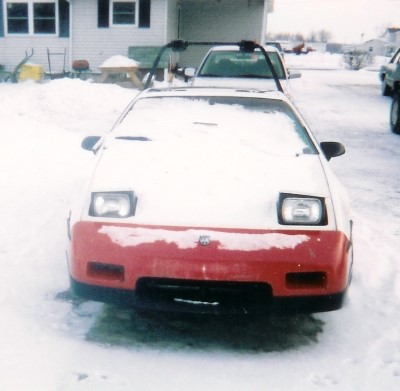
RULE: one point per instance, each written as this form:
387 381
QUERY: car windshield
229 63
265 125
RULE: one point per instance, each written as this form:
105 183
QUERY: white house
375 47
95 30
392 38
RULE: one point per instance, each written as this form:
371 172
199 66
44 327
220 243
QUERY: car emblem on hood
204 240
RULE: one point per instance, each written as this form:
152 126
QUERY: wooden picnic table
132 70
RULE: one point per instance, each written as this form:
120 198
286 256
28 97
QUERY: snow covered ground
50 342
317 60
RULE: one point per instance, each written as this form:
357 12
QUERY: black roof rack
180 45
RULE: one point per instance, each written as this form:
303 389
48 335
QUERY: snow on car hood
222 172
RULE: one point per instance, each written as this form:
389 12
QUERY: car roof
214 91
235 48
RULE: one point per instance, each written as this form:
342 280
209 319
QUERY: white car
229 66
211 200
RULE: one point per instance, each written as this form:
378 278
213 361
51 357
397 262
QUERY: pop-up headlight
113 204
301 210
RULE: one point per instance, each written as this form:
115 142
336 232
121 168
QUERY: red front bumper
317 265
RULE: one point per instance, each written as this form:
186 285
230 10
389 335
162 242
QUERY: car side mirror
190 72
332 149
294 74
89 142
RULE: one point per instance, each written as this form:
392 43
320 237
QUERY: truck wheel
386 90
395 113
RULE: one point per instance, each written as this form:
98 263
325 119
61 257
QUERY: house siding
87 41
392 41
96 44
14 47
374 47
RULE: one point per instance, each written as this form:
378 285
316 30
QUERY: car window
267 126
275 44
228 63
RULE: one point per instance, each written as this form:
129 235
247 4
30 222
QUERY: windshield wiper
133 138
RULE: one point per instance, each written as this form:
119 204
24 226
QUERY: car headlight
113 204
301 210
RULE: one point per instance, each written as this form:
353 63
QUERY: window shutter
1 19
103 13
63 17
144 13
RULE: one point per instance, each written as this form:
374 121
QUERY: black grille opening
106 271
306 280
214 293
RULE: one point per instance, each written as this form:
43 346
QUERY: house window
17 18
123 12
31 17
44 18
126 12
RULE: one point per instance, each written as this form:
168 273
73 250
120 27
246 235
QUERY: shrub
356 59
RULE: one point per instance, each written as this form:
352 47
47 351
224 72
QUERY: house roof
374 40
393 30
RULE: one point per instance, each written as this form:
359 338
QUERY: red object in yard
80 65
302 49
298 49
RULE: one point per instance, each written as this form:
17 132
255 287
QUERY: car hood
206 184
